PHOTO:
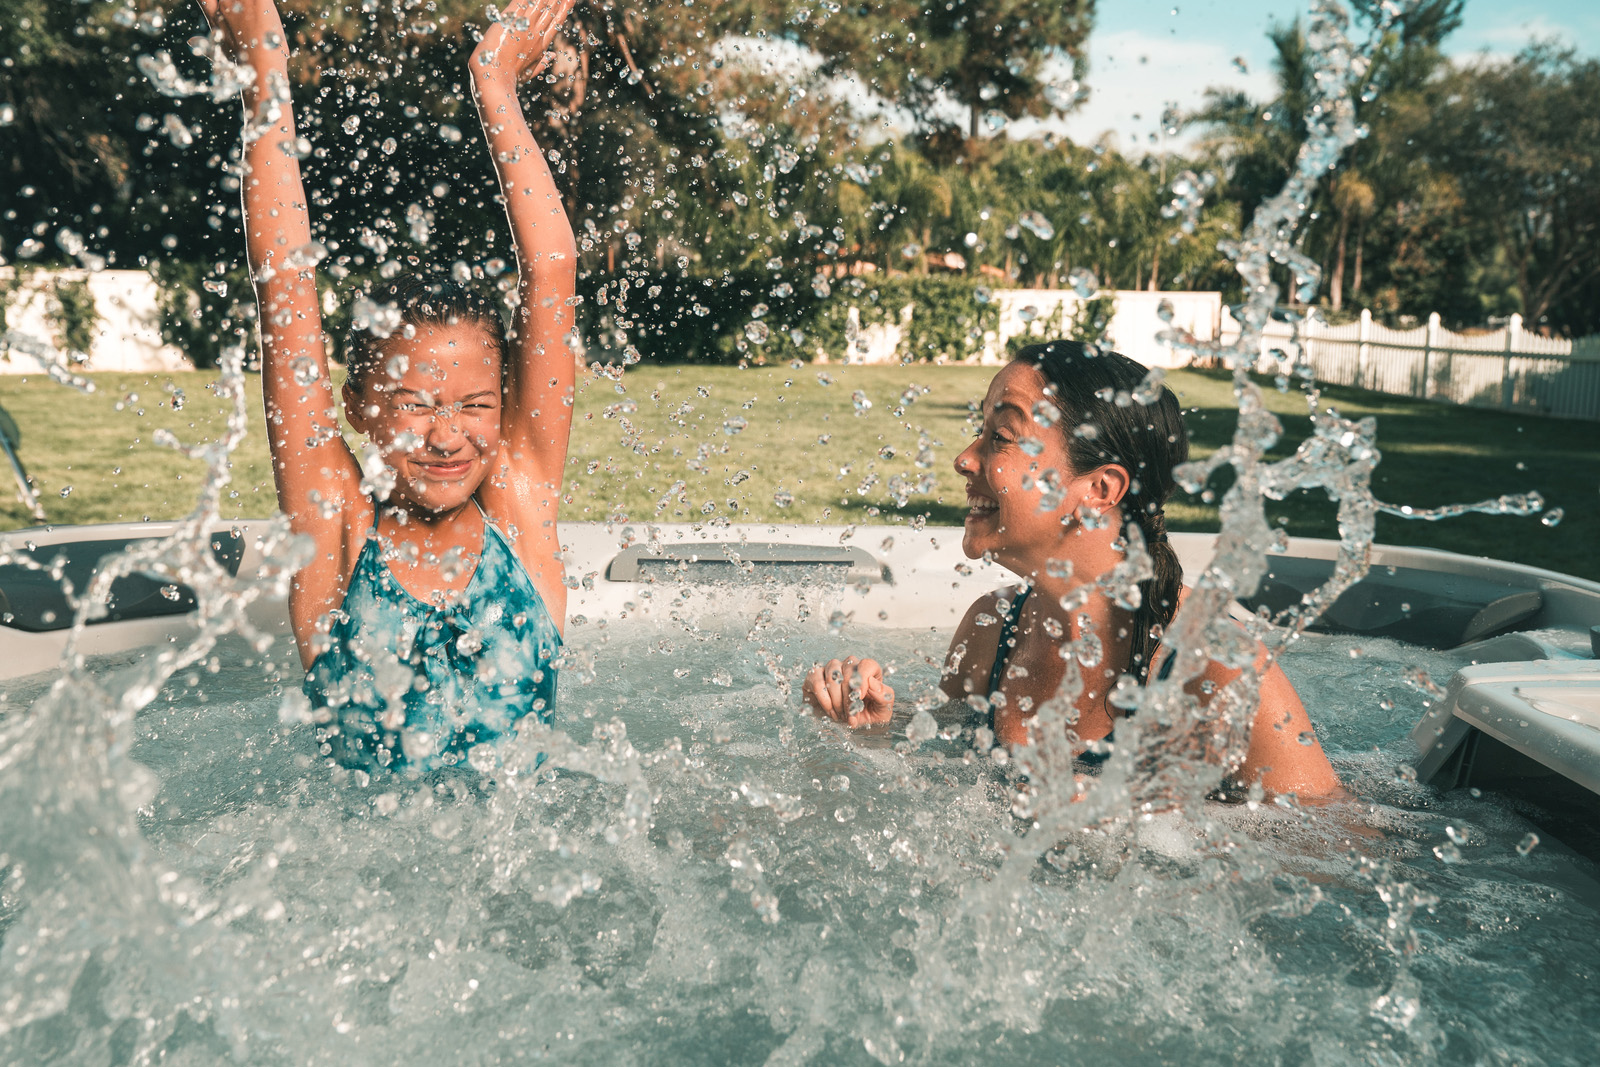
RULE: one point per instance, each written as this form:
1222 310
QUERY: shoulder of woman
989 604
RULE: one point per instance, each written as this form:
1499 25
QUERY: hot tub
703 873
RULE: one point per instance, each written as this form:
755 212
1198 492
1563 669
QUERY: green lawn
701 442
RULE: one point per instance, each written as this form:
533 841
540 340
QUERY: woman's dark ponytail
1137 425
1159 602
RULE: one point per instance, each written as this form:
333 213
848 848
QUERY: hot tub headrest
34 601
1430 608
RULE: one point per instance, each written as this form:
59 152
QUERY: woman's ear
1105 487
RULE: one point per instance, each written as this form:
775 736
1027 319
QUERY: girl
1054 408
430 614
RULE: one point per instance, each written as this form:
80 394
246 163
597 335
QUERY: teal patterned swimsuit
412 686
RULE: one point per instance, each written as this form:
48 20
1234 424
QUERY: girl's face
438 424
1021 489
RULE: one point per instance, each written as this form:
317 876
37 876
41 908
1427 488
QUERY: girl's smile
438 423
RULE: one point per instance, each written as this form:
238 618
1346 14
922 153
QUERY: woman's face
1021 490
437 425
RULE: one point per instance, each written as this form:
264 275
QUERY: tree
1522 140
1353 199
983 55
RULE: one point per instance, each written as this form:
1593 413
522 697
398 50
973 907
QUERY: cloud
1509 30
1134 75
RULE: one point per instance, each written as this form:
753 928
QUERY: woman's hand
851 691
518 46
244 29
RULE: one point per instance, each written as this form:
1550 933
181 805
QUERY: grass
672 448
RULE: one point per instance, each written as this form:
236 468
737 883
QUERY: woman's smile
980 506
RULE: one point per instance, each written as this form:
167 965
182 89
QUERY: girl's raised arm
317 477
537 418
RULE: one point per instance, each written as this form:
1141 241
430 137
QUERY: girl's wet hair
421 301
1148 440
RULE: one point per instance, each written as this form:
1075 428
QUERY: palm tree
1353 199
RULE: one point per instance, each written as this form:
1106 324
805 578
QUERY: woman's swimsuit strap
1008 640
1089 761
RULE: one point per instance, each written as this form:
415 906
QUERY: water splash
959 923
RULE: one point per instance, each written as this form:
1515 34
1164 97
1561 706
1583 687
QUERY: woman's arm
317 478
853 691
1284 753
540 379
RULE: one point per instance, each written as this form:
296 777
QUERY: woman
1072 456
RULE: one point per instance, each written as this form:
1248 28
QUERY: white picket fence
1509 368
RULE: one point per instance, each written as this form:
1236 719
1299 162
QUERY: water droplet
922 727
66 490
8 114
1036 224
783 498
1553 517
1529 842
982 294
351 124
862 404
306 370
734 425
1083 282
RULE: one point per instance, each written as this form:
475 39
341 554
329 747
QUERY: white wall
1135 322
127 335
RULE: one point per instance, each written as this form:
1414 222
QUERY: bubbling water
715 876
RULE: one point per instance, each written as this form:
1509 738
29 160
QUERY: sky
1144 54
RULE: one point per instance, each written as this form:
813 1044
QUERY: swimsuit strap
1008 640
1092 760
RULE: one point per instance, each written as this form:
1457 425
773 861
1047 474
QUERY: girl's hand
245 27
851 691
517 47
